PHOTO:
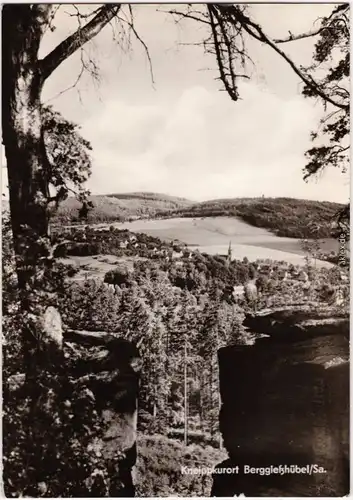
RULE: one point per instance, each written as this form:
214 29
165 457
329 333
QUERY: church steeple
229 257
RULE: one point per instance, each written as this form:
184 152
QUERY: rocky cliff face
285 401
113 379
82 427
292 323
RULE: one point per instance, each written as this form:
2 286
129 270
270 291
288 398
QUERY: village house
303 276
264 269
282 274
176 255
238 292
344 277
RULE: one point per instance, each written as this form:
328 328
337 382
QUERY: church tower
229 256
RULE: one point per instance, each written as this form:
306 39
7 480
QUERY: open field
213 234
289 217
286 217
96 266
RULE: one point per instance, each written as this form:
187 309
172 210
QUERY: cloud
184 137
202 145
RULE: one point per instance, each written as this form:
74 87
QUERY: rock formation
113 378
285 401
83 423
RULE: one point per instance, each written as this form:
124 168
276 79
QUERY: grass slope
212 235
120 207
289 217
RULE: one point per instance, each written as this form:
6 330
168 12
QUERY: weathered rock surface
285 401
82 422
292 323
113 378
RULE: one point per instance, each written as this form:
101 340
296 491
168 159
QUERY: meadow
212 235
169 302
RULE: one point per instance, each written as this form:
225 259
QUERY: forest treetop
228 29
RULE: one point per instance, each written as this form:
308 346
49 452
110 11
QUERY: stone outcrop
285 401
89 403
292 323
113 378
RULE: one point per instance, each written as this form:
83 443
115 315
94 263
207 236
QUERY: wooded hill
120 207
294 218
289 217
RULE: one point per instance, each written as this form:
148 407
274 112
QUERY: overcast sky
183 136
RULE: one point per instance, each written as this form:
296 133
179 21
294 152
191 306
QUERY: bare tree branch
231 89
234 15
188 15
137 36
83 16
317 31
66 48
300 36
228 21
70 87
49 23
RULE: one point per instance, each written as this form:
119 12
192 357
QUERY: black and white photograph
175 250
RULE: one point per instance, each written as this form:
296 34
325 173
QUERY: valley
213 235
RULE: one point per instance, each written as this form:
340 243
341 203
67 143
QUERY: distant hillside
121 207
283 216
288 217
152 196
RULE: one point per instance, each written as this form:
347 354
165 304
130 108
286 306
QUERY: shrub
159 467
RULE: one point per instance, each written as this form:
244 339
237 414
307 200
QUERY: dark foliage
283 216
331 68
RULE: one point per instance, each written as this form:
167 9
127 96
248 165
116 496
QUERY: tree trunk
211 397
201 402
185 393
219 412
46 382
154 402
23 28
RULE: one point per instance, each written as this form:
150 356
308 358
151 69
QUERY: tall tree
23 27
28 166
69 163
331 68
26 123
25 74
